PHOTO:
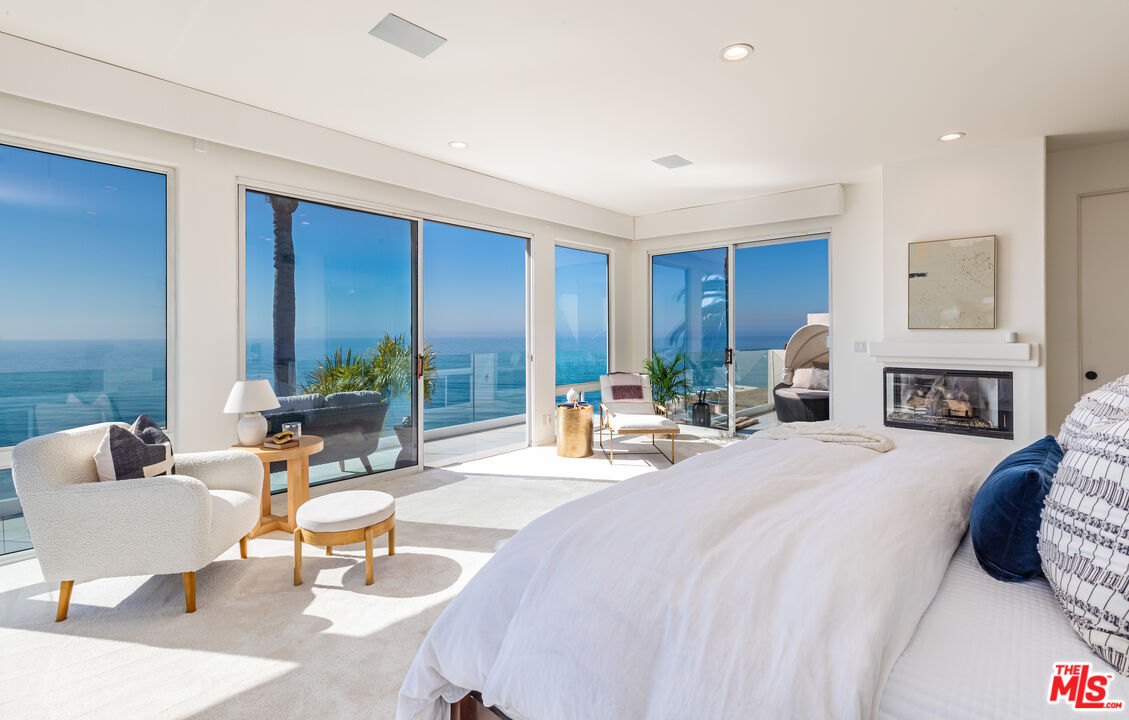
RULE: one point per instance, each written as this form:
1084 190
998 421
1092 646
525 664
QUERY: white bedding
768 579
984 650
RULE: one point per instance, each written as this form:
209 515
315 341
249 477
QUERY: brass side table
574 430
297 481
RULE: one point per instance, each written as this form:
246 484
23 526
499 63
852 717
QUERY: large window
582 320
329 321
83 339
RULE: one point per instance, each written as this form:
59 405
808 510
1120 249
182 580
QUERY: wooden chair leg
392 540
190 592
611 447
243 547
328 549
368 556
297 556
64 600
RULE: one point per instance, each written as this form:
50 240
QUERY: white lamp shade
251 396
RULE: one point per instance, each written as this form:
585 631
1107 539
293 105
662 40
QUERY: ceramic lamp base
252 429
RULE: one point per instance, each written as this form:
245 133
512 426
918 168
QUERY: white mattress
986 649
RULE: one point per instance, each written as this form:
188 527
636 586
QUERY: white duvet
770 579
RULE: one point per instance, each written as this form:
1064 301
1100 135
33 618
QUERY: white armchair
84 529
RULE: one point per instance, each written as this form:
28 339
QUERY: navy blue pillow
1007 511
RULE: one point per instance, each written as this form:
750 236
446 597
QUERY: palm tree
284 302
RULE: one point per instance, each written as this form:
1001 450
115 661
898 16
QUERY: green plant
387 368
668 378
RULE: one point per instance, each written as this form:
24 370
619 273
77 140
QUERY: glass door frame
731 249
528 327
245 184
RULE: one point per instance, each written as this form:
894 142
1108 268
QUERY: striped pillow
1109 401
1084 539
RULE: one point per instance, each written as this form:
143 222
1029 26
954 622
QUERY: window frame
129 163
171 242
593 386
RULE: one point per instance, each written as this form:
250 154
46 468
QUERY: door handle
1091 375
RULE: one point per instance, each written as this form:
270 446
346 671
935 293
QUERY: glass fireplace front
965 402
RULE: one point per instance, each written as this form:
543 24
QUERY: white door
1103 235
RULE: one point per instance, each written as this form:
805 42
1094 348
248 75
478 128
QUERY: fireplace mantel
963 354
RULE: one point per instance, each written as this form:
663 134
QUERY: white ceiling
577 98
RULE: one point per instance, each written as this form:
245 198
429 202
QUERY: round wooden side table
574 430
297 481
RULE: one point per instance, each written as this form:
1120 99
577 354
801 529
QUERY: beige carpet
258 647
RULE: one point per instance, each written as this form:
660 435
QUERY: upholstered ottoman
343 518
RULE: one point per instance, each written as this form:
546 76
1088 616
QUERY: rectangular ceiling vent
407 36
672 162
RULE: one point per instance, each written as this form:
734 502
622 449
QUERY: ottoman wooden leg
392 540
297 556
368 556
328 549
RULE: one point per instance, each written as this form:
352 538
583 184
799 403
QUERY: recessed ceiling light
458 145
736 51
949 137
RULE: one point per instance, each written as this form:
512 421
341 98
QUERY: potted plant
668 379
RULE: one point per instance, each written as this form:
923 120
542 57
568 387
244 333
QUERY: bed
811 591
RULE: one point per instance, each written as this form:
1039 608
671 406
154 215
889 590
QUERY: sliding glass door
778 287
365 324
690 324
730 312
330 322
475 342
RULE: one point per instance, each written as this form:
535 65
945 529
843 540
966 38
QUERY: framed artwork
952 283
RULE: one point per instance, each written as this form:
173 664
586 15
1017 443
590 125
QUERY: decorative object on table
952 283
294 428
668 380
700 412
297 458
572 396
574 429
344 518
281 441
249 397
632 411
83 529
143 450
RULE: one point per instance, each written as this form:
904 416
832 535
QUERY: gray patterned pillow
141 451
1084 539
1109 401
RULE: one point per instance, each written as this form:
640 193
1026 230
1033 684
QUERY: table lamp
248 397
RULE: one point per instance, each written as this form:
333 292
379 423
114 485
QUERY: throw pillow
141 451
1109 401
802 377
1084 539
1005 517
820 379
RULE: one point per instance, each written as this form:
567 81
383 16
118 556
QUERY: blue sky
353 275
83 248
775 287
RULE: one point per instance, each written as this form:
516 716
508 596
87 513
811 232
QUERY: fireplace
965 402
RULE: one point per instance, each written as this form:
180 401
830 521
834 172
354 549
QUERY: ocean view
50 385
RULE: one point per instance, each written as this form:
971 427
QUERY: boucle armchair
84 529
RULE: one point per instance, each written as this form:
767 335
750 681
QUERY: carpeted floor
258 646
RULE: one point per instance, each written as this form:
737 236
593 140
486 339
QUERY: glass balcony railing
476 387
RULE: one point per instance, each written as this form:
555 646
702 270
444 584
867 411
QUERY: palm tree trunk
284 302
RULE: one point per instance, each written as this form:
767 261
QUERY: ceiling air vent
407 36
672 162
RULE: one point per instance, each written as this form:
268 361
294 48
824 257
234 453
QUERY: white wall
996 190
208 242
1070 174
856 288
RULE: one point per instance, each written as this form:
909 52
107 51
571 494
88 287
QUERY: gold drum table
574 430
